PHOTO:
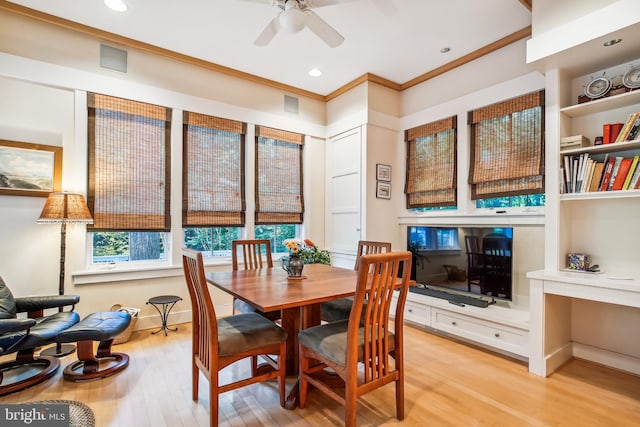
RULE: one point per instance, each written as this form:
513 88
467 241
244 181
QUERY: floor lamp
62 208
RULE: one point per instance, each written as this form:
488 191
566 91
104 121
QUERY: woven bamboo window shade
507 148
213 171
431 164
279 197
129 164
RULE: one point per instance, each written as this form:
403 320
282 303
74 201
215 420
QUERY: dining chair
364 340
339 309
252 252
218 343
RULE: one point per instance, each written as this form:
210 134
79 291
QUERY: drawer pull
454 323
497 335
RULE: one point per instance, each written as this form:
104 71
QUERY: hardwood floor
446 384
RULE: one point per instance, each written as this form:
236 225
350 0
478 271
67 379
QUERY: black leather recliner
23 335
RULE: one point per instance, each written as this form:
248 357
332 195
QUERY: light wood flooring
447 384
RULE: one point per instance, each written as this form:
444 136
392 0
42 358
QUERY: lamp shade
63 208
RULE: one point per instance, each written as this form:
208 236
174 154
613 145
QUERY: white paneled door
343 202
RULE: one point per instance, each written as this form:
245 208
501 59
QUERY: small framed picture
383 190
383 172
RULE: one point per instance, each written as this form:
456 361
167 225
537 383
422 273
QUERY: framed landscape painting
29 169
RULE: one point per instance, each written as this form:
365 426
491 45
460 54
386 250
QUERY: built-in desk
552 295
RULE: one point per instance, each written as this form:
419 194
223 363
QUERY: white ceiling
397 46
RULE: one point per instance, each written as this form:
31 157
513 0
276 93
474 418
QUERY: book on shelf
621 175
634 133
624 134
606 177
635 179
610 132
632 170
606 134
596 177
614 172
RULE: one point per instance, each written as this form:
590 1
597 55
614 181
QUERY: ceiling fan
294 15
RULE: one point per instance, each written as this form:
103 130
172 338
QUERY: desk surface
269 289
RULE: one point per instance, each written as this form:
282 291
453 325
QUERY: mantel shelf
603 104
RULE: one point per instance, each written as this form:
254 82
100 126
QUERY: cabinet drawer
494 335
414 312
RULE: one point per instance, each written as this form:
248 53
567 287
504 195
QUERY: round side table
166 302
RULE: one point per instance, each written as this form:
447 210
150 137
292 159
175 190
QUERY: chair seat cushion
330 340
240 306
337 309
100 326
248 331
47 328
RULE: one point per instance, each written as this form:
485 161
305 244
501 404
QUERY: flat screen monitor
476 260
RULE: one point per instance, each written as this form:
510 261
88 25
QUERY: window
512 201
279 198
213 202
122 246
129 178
276 234
431 165
213 172
507 148
212 241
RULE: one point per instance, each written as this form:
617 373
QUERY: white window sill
124 272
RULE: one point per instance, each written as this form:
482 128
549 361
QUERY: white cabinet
499 328
578 314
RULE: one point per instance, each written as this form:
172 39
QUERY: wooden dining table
299 300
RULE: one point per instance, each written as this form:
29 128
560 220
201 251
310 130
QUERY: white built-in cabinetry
585 315
497 327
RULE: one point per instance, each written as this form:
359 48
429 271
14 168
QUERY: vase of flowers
293 264
312 254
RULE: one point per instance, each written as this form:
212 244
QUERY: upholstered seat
102 327
331 341
23 336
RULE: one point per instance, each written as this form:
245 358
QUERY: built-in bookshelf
591 172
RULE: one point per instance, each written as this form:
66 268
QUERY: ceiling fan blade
268 33
323 30
322 3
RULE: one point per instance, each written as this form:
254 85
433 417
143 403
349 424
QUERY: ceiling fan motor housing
292 18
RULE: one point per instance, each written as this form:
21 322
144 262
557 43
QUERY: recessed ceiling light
612 42
314 72
117 5
445 50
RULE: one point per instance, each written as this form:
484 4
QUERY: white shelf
596 195
604 148
604 104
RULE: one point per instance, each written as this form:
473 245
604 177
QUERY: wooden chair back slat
252 254
369 247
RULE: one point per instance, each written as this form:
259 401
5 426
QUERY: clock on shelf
631 78
598 87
